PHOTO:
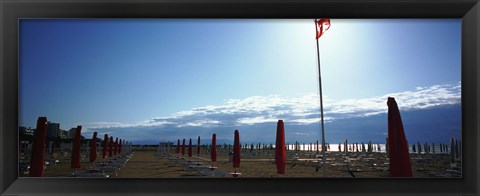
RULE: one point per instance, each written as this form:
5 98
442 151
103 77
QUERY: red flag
75 162
38 152
93 147
397 143
322 26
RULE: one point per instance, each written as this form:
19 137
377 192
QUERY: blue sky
139 79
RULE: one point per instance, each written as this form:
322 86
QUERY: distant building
53 129
63 134
26 131
71 132
22 130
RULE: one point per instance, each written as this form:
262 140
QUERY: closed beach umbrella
346 147
75 162
190 148
397 144
386 146
120 146
198 146
115 147
105 146
460 148
213 154
183 147
93 148
110 147
280 153
38 152
369 147
456 149
452 150
178 146
433 148
236 150
419 147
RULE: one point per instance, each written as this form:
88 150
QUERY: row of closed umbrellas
398 150
37 159
400 165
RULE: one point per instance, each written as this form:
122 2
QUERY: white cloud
255 120
298 110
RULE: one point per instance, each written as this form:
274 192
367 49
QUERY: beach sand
151 163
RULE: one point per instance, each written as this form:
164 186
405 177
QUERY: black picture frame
13 10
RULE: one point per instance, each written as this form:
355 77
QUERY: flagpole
321 104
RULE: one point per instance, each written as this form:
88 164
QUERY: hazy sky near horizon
107 73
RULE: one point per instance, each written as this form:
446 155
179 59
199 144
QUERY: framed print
149 97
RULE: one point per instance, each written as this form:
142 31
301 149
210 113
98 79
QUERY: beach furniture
93 148
105 146
190 150
198 146
236 153
38 154
110 147
75 160
213 151
452 153
115 147
183 147
178 147
280 152
400 165
120 147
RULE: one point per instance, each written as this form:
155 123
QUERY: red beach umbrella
190 148
75 162
178 146
120 146
280 153
115 149
110 147
105 145
198 146
213 154
93 148
397 144
183 147
38 152
236 150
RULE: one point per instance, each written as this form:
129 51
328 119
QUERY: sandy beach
157 163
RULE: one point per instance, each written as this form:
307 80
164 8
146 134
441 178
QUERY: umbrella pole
321 106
